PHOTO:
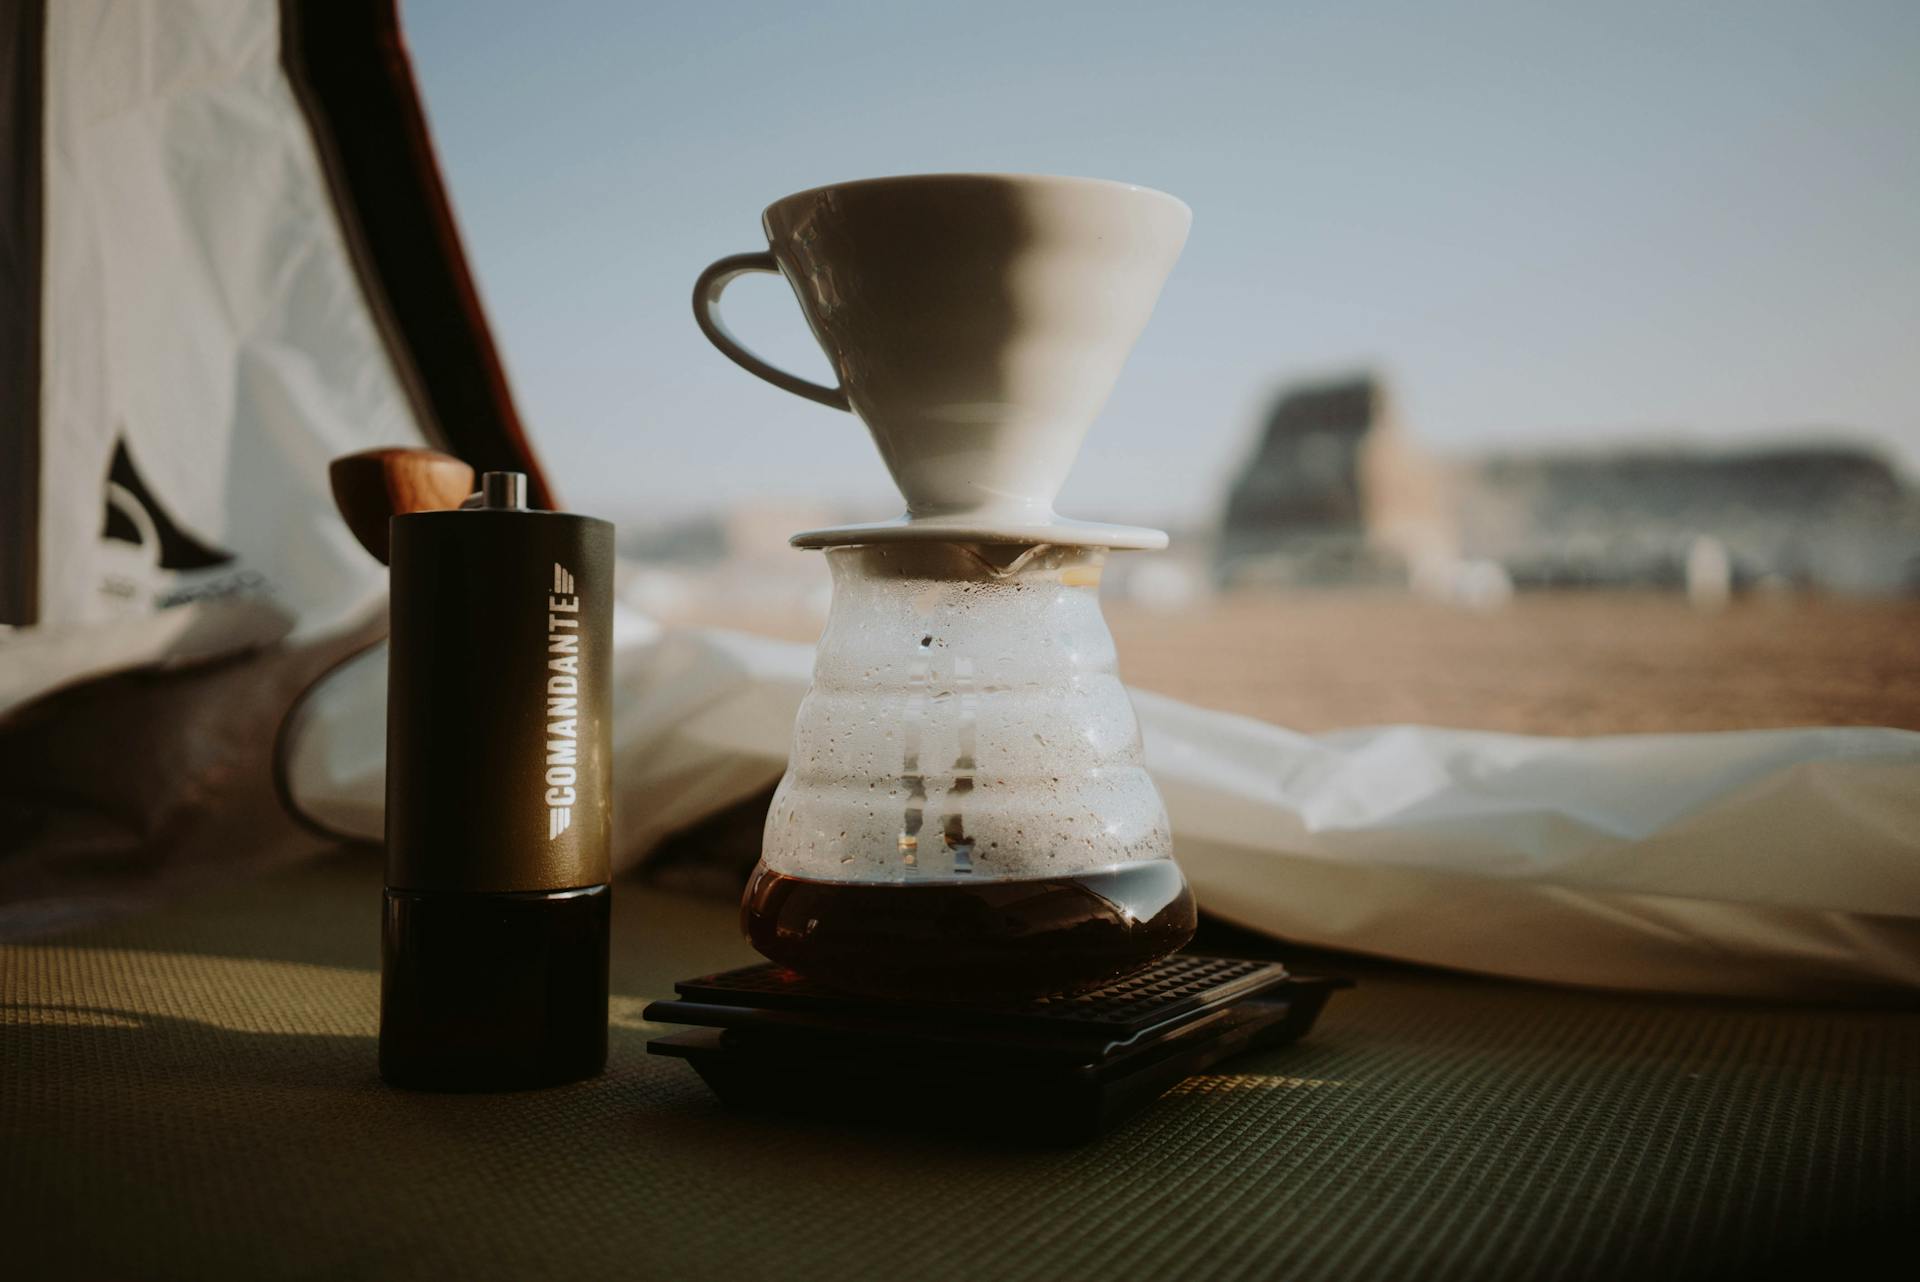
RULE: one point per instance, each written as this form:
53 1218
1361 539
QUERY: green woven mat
192 1094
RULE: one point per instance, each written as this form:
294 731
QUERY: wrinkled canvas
1779 863
200 311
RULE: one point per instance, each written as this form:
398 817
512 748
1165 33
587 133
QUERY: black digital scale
1052 1070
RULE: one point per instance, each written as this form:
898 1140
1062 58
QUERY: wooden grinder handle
373 485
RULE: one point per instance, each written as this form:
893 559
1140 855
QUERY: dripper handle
706 310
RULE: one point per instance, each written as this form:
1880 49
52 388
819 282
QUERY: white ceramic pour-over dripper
977 324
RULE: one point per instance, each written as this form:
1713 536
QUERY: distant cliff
1831 517
1335 493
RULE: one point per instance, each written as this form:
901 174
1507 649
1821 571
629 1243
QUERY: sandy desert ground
1575 663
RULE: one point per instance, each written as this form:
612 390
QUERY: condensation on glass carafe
966 810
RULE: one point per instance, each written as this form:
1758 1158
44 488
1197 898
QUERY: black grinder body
498 806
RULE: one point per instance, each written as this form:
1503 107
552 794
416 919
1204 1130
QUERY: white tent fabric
201 311
1778 863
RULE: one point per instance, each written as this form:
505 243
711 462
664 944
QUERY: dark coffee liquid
955 940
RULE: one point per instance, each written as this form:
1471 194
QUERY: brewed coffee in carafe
966 812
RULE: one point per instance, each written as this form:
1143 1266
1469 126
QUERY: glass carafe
966 812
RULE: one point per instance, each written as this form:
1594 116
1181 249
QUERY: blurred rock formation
1337 493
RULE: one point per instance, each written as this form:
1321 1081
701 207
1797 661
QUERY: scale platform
1048 1071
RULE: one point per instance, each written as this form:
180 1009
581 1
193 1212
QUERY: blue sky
1546 224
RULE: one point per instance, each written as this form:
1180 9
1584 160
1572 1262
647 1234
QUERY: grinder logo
563 701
